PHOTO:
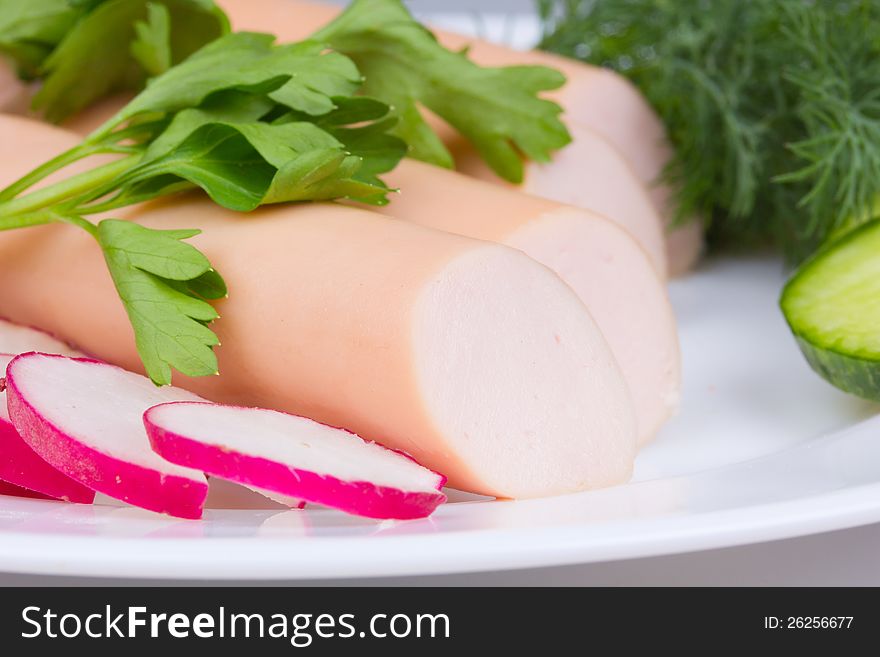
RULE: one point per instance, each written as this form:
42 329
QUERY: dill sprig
773 107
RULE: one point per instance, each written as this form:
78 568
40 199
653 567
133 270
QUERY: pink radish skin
213 453
154 485
23 467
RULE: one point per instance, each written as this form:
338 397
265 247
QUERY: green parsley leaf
244 165
379 150
303 76
371 140
497 109
95 57
86 5
162 281
152 47
352 109
31 29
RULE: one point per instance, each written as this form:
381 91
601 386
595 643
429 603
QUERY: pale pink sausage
14 94
588 173
594 98
467 354
9 82
37 143
603 265
599 261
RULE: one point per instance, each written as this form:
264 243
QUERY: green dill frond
773 107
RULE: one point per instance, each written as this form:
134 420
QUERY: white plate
762 449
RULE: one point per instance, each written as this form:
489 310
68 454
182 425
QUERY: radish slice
17 339
84 418
17 491
294 456
19 464
22 466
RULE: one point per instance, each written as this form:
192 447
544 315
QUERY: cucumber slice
832 305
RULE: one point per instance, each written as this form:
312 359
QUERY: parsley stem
46 216
25 220
76 220
58 162
66 189
121 201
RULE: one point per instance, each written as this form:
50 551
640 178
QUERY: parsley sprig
498 110
247 121
84 49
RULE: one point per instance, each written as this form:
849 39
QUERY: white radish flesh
294 456
84 417
17 339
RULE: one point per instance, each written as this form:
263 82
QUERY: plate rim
498 549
